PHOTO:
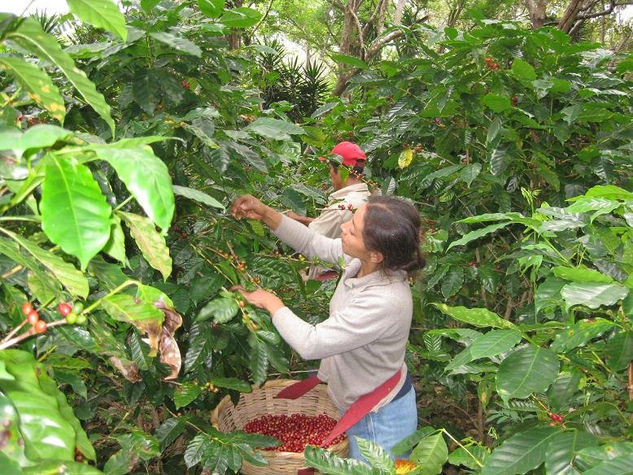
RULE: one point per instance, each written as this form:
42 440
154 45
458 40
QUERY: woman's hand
261 298
247 206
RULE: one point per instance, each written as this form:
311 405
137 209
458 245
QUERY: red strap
306 471
361 407
298 389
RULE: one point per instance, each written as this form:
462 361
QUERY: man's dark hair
392 227
357 169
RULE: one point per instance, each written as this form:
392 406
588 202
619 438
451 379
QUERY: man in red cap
350 191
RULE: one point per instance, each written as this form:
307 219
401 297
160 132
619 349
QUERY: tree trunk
364 41
350 43
568 20
455 13
308 54
235 38
624 42
397 16
537 12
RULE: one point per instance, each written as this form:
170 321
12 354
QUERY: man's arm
297 217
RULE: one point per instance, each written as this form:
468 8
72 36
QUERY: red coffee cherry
27 308
64 309
33 317
41 326
556 417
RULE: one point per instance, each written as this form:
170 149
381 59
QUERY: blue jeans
387 427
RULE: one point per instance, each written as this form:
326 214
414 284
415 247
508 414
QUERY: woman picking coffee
362 343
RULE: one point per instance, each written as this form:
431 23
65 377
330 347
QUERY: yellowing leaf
406 157
149 241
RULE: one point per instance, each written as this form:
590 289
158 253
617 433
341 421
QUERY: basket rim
273 383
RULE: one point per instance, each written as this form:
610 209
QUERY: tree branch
571 21
379 10
361 39
337 5
377 45
270 4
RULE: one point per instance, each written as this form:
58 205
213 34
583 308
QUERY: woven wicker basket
226 417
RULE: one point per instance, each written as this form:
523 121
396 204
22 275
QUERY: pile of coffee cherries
295 431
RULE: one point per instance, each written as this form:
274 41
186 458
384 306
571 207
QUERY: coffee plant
124 141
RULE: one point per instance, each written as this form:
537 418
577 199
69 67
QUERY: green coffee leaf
593 295
126 308
520 453
494 343
186 394
479 317
327 462
563 449
496 102
521 69
198 196
431 453
241 17
199 346
580 274
221 309
374 454
115 247
169 431
147 178
74 281
211 8
527 371
75 214
46 432
473 235
579 334
30 35
103 14
38 85
620 350
178 43
274 128
232 383
616 466
349 60
258 362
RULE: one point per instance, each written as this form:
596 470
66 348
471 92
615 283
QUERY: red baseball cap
350 152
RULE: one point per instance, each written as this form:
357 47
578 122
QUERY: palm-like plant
303 86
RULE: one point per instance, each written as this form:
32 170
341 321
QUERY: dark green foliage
514 145
302 86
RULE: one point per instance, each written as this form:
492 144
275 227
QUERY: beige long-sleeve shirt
363 342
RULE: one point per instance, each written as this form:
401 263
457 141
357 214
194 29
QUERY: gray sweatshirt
362 343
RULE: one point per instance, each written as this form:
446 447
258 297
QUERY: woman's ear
376 257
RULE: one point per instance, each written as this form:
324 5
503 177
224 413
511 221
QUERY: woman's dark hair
392 227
